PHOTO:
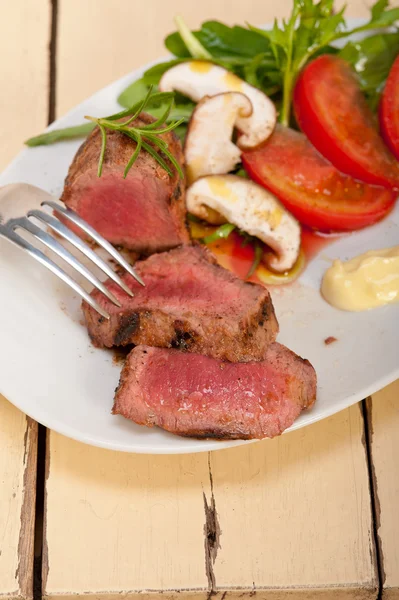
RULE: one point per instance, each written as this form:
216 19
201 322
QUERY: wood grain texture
383 415
118 522
100 41
24 76
18 447
23 73
278 517
295 512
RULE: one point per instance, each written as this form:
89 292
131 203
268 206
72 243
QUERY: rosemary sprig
145 136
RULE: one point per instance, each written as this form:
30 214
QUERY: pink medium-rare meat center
191 303
195 395
146 210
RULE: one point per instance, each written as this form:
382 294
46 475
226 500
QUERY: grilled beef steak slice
191 303
198 396
145 212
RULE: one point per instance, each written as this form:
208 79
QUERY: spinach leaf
182 108
231 45
133 93
154 74
381 16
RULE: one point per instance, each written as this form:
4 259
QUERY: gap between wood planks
366 409
212 529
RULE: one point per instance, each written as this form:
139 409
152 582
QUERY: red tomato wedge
389 110
311 188
332 111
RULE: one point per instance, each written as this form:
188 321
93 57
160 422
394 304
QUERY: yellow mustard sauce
363 282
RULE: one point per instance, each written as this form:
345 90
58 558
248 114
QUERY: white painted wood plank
23 103
100 41
24 40
295 512
119 523
97 542
18 445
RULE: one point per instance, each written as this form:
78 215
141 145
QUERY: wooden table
312 514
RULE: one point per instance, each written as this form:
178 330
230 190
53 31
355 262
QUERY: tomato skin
389 110
332 111
311 188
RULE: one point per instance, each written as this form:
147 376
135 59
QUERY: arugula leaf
381 16
270 60
56 135
310 29
372 59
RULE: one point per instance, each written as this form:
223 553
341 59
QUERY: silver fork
9 229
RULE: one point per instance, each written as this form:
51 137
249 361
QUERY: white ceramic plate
49 369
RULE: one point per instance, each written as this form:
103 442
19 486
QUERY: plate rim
196 446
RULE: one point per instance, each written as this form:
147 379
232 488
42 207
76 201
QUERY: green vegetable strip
57 135
195 47
221 233
256 261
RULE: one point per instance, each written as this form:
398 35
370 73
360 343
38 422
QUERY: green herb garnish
145 136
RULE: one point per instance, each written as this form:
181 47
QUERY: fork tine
75 240
14 238
56 247
74 218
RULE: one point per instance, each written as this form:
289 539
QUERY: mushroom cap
208 148
254 210
197 79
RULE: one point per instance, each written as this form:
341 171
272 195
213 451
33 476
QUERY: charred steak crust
110 203
197 396
189 303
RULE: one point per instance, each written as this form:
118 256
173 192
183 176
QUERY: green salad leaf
310 29
234 45
270 59
372 59
193 44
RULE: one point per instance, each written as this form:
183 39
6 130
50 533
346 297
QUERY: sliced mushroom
197 79
208 148
254 210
